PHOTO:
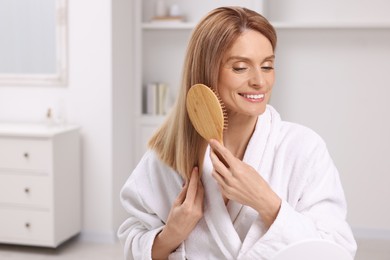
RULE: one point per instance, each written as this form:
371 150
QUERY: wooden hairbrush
207 113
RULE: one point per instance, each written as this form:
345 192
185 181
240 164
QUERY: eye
267 68
240 66
239 69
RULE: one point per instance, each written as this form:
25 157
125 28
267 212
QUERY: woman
280 185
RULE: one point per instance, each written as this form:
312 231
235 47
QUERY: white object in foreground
313 249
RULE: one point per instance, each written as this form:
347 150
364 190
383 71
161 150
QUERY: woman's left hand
241 183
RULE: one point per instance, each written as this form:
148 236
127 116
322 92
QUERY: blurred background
113 68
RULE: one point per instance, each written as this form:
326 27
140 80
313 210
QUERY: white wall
337 82
333 11
96 98
91 78
122 100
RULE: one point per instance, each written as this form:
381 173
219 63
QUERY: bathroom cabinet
40 192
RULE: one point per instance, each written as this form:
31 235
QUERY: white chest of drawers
39 184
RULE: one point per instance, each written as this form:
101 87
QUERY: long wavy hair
176 142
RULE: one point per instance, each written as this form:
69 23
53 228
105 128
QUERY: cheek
230 82
227 88
271 79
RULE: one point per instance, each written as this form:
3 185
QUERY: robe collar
218 218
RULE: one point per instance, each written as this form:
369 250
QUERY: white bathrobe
291 158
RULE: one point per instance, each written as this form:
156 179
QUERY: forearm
268 207
164 244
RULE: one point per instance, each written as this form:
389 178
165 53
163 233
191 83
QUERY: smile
254 97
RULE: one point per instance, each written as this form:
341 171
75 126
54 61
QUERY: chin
255 113
261 111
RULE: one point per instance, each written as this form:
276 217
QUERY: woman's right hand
185 213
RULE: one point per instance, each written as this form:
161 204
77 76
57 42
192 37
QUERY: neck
238 133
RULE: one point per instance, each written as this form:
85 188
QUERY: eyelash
266 68
240 69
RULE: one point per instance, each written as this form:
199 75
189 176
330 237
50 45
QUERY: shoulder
293 134
304 154
152 180
301 144
299 134
151 169
151 188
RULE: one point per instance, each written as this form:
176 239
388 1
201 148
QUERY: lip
253 97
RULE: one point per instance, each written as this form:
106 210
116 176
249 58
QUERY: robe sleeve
137 233
317 212
147 197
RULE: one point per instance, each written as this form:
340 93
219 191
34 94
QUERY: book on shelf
156 96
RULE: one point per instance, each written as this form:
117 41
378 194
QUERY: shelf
277 25
168 26
329 25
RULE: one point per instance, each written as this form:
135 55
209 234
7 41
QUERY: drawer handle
27 190
27 225
26 155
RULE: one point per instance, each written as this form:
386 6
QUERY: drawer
25 190
25 225
25 154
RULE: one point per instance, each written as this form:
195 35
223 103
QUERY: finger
182 195
219 166
200 194
224 154
192 186
218 177
185 184
223 186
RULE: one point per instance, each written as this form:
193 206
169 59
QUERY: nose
257 79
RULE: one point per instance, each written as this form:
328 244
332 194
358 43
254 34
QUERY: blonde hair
176 142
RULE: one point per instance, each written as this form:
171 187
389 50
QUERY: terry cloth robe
291 158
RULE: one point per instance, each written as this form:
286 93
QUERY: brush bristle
225 117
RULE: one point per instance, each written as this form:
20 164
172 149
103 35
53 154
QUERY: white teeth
253 96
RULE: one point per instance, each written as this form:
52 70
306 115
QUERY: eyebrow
271 57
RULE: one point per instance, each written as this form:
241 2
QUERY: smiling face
247 75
